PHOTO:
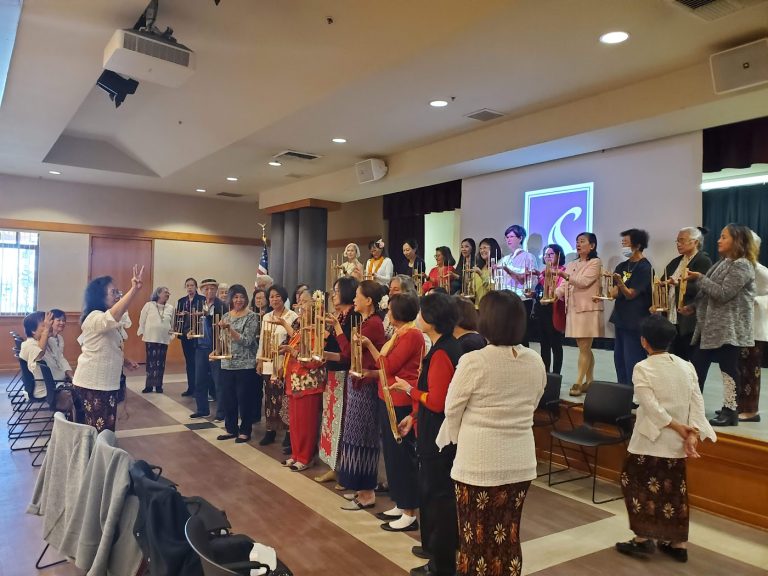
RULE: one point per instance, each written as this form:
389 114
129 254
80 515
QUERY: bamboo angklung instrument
659 293
550 280
391 416
605 286
356 350
682 287
222 341
467 281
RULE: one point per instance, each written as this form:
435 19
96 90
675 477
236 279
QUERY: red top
404 360
373 329
434 279
440 374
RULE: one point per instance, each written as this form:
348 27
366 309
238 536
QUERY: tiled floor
562 531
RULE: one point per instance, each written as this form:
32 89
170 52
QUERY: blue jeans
207 374
627 352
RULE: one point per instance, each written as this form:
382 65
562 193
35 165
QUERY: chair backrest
199 539
551 393
50 385
28 378
606 402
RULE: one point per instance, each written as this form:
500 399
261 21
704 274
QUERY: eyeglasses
115 292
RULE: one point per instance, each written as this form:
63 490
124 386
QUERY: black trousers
439 523
727 357
400 460
239 388
551 340
188 347
528 308
681 346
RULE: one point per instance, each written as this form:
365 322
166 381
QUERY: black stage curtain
736 145
405 213
746 205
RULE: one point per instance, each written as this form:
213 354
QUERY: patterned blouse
243 350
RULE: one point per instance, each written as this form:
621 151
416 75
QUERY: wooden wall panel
729 479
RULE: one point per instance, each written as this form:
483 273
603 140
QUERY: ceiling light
274 163
731 182
54 172
231 179
200 190
339 140
438 103
614 37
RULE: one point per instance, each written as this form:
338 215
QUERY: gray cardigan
725 305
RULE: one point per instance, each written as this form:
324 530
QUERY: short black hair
193 280
280 290
404 307
32 321
559 253
440 311
234 290
467 313
253 298
347 286
518 230
438 290
58 313
591 239
95 297
658 332
502 318
637 238
413 243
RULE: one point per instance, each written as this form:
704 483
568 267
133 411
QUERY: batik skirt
99 408
656 497
359 449
275 403
748 392
333 418
489 528
156 353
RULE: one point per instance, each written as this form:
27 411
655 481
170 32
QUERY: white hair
266 278
356 247
694 234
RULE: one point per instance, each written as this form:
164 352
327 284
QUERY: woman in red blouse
359 447
401 358
442 274
439 532
304 385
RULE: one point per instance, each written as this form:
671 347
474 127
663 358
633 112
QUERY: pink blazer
582 286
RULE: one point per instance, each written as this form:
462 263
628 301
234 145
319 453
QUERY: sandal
226 436
357 505
575 390
288 463
299 467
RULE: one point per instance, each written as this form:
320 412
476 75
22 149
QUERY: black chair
547 413
35 419
608 404
208 546
15 386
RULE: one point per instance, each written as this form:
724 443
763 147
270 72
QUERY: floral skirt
489 529
748 392
275 403
656 497
99 408
332 418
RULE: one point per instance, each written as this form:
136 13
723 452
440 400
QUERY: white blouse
30 350
54 357
761 303
666 389
101 360
155 322
385 272
290 316
489 415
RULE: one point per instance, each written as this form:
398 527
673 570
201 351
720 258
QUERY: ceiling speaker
740 68
370 170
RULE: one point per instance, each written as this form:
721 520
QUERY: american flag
264 262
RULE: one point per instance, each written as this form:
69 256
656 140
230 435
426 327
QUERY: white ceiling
274 75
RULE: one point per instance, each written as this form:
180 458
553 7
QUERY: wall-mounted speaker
370 170
740 67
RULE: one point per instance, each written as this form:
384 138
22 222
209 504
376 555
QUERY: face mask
626 251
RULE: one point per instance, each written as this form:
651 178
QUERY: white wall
653 185
175 261
62 270
441 229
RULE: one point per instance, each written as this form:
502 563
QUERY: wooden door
115 257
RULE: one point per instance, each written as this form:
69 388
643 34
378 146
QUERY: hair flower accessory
384 302
379 243
318 295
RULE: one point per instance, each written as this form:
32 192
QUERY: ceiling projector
149 57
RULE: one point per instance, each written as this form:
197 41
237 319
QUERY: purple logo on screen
559 214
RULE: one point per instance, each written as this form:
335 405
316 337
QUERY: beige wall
62 271
654 185
359 219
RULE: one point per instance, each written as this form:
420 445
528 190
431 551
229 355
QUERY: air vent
156 48
295 155
485 115
229 195
294 175
715 9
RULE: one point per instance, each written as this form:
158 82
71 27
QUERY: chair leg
40 558
594 485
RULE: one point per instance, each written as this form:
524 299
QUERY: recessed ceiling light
54 172
339 140
231 179
438 103
275 163
200 190
614 37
